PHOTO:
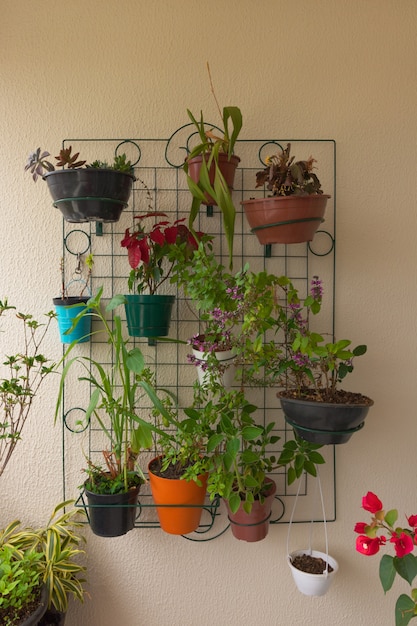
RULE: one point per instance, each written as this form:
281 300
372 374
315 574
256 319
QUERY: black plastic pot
112 515
53 617
33 620
324 422
90 194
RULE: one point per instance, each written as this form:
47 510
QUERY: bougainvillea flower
412 520
360 527
403 544
367 545
371 503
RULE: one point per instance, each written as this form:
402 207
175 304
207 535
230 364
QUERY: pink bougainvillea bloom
371 503
412 520
360 527
367 545
403 544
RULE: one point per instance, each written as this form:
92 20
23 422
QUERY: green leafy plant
20 584
25 373
404 563
56 553
113 400
210 147
283 177
38 165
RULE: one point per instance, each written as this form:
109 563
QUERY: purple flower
316 288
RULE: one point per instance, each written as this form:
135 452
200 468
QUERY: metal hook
78 269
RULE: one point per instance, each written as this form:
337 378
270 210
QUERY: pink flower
367 545
412 520
360 527
371 503
403 544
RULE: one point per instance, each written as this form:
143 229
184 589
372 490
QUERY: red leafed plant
151 251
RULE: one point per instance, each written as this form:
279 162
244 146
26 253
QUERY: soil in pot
311 564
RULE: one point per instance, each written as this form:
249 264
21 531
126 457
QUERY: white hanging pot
227 369
313 584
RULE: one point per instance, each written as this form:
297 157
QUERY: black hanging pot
112 515
90 194
325 422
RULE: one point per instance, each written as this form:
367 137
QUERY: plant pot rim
70 300
267 199
222 155
368 402
105 170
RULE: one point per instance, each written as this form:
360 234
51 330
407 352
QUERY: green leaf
135 361
234 502
406 566
214 441
404 610
249 433
359 350
387 572
391 517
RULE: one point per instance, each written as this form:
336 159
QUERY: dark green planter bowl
90 194
148 316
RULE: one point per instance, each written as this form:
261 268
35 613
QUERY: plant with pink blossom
404 540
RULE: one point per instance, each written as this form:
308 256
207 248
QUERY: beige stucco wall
343 69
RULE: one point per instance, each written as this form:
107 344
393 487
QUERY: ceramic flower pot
90 194
313 584
112 515
228 169
323 422
285 219
66 310
253 526
168 492
148 316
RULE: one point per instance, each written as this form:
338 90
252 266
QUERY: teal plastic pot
148 316
66 311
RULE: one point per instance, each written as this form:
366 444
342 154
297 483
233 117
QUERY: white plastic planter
313 584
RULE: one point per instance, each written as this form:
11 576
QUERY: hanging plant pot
318 577
148 316
325 422
253 526
225 358
228 169
112 515
166 492
90 194
285 219
67 309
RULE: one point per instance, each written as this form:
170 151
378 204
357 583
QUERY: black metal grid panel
161 186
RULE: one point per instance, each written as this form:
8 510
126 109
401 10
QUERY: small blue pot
66 311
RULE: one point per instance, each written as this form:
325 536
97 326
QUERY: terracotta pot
255 525
313 584
324 422
166 492
285 219
227 168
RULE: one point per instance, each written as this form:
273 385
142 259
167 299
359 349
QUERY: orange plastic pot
168 492
285 219
227 168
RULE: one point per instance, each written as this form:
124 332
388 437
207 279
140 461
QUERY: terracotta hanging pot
166 492
325 422
285 219
253 526
228 169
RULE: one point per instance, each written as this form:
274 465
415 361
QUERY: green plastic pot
148 316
